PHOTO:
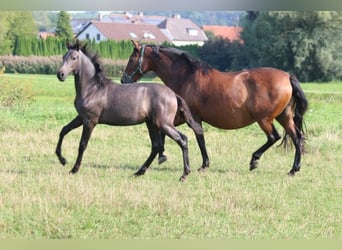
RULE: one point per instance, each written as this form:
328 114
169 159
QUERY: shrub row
50 64
31 46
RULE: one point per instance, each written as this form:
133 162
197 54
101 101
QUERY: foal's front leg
154 134
87 130
162 157
75 123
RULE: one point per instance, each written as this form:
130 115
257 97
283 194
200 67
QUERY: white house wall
92 31
184 43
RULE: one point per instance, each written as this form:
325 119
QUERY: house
44 34
149 29
228 32
78 24
128 17
182 31
101 31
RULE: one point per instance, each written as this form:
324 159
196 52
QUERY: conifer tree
63 28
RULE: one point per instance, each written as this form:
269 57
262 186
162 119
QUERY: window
149 35
98 37
132 34
87 36
192 32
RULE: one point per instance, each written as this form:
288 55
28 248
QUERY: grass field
40 200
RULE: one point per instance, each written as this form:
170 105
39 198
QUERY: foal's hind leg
154 133
182 141
272 137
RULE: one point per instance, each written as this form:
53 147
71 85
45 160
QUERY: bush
10 94
50 64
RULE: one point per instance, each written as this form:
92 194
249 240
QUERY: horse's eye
74 58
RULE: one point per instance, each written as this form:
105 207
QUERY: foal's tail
300 107
184 110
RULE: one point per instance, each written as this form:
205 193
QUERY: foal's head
71 61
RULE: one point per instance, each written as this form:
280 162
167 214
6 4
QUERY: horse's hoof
291 173
201 169
162 159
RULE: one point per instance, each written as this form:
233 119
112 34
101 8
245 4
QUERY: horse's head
136 66
71 61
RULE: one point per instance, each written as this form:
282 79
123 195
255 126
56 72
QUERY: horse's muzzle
126 79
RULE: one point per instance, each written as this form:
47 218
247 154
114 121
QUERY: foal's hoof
253 165
73 171
182 178
62 160
162 159
139 173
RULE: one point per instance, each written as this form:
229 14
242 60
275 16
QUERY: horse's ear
136 44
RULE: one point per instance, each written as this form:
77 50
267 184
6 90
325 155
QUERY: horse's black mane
194 63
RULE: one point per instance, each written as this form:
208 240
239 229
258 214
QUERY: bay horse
227 100
100 100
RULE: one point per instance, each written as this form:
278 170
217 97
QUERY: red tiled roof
128 31
228 32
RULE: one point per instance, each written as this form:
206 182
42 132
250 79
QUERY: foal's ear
68 45
78 45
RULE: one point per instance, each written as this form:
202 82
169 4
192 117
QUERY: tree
307 43
14 25
221 53
5 45
63 28
44 20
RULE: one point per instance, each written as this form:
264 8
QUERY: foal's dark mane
99 70
194 63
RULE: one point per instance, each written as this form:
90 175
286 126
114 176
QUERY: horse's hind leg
154 134
272 137
75 123
182 141
297 138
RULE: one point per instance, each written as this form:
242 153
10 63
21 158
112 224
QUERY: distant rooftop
229 32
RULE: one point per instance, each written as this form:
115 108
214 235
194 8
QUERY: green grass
39 199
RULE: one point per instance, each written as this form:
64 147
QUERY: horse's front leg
75 123
87 130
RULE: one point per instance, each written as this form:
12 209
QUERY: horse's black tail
300 107
184 110
301 103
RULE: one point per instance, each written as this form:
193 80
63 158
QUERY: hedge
50 64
